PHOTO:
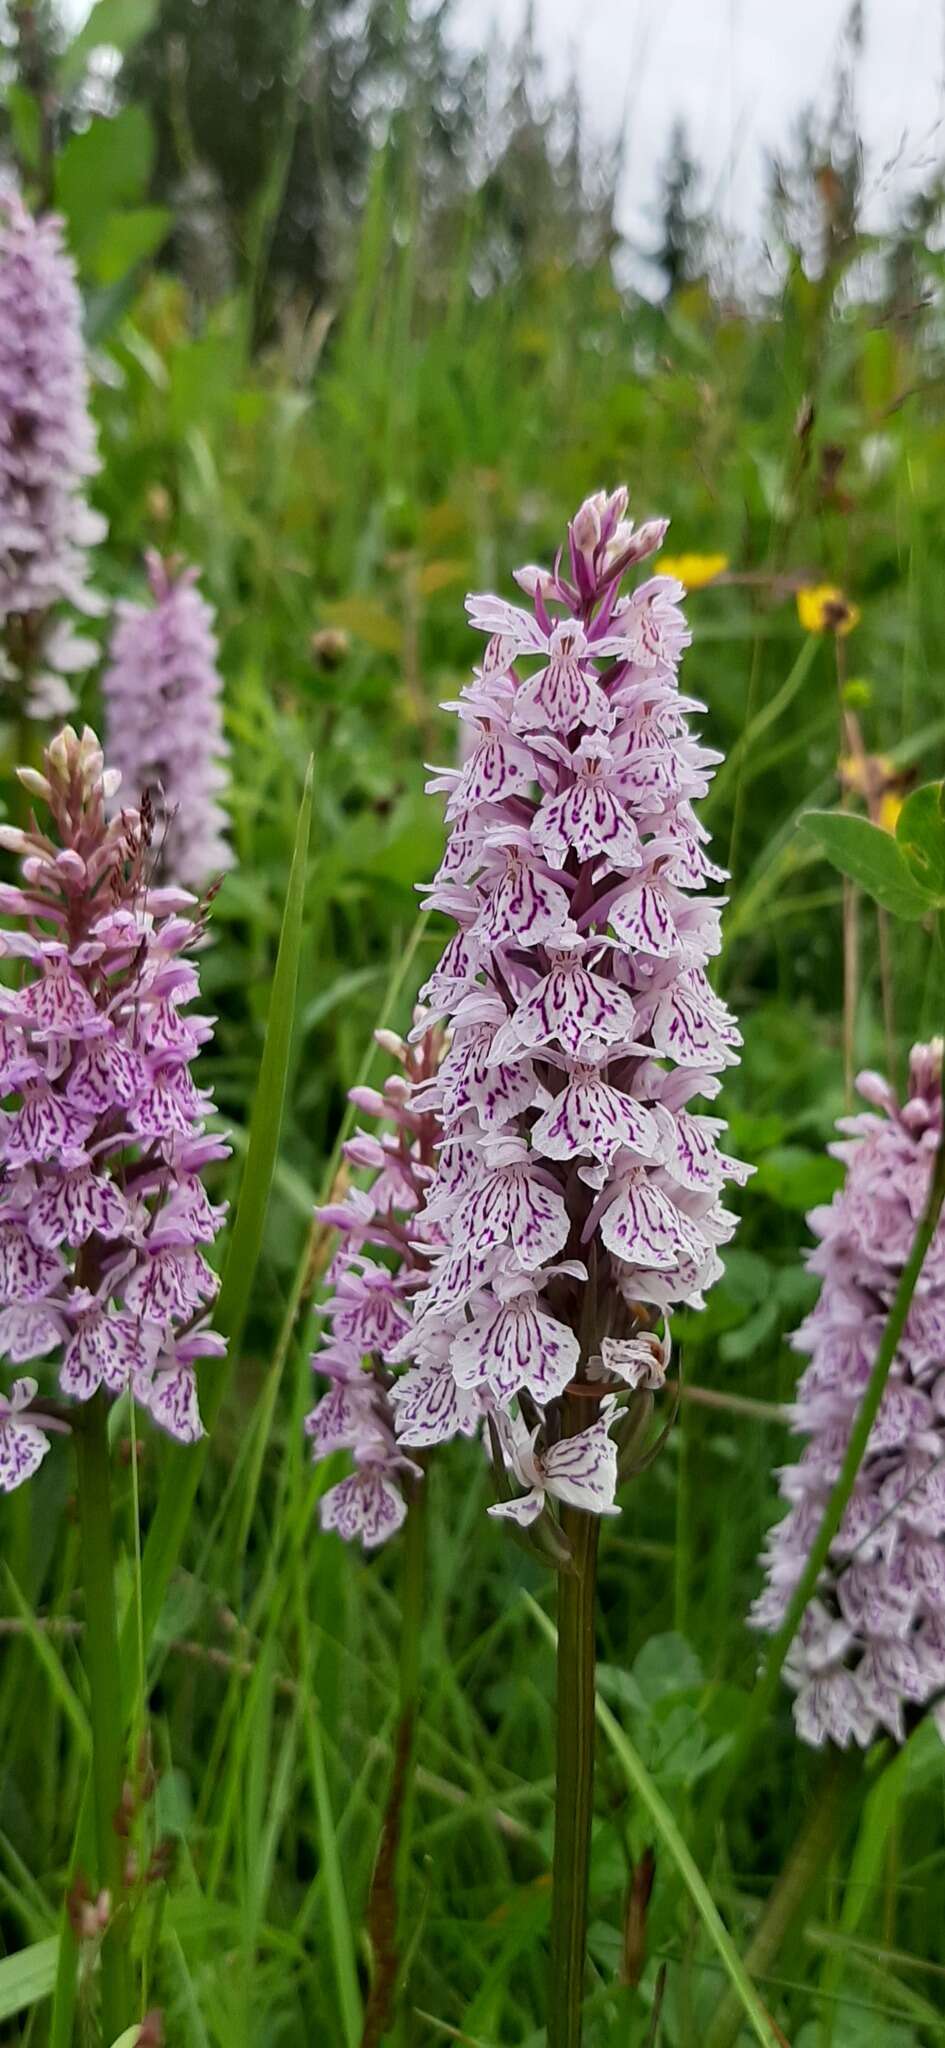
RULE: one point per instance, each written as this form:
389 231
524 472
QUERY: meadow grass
424 451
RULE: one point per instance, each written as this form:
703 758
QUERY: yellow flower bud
822 608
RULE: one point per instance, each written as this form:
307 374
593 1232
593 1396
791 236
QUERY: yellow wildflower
822 608
889 809
695 571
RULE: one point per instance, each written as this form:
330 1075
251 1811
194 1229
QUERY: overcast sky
738 71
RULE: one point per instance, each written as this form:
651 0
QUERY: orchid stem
574 1784
105 1707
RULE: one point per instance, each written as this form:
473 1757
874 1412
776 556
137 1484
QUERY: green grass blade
64 1693
339 1918
733 770
28 1976
266 1121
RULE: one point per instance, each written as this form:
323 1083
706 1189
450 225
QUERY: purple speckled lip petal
367 1506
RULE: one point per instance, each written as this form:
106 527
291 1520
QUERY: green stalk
795 1888
765 1691
103 1671
574 1778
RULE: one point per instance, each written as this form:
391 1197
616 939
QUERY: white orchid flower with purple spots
579 1469
575 1184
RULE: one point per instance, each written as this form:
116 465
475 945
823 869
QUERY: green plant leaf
126 239
116 24
920 833
105 168
797 1178
339 1922
25 125
871 858
667 1665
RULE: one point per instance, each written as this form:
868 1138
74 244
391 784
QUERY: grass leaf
27 1976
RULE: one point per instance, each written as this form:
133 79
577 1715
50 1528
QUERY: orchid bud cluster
367 1313
870 1651
47 454
104 1218
164 730
576 1191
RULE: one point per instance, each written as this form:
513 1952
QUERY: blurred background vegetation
362 338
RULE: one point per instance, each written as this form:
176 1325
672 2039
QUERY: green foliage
101 174
904 874
920 832
876 862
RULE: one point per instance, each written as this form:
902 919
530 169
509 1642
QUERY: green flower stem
105 1703
574 1782
796 1887
766 1689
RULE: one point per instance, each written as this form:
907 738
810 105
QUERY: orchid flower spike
47 455
104 1217
869 1655
573 1196
367 1313
164 731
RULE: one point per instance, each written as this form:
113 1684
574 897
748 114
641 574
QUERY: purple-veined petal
582 1470
590 1119
643 1227
368 1507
